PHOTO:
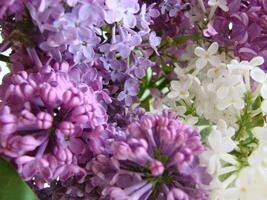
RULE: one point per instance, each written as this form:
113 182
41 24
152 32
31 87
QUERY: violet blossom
161 155
42 119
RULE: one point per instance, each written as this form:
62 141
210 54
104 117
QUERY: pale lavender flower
131 88
125 42
122 10
173 7
140 65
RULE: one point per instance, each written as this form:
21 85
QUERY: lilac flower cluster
156 157
242 28
104 32
43 117
160 155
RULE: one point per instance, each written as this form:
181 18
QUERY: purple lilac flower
130 91
9 7
75 188
160 155
43 116
74 30
173 7
242 28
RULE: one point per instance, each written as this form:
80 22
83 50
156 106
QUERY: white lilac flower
229 91
246 65
207 56
180 88
260 76
219 145
260 134
217 71
250 184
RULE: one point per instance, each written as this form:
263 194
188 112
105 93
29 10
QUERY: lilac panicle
42 117
242 28
161 153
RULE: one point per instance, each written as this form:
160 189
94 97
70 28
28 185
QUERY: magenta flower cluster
43 117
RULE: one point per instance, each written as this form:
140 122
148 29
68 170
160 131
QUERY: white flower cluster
226 99
214 88
247 183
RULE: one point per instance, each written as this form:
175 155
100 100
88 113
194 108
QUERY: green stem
4 58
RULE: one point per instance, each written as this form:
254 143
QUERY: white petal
234 65
227 182
223 104
180 110
229 158
221 125
230 194
239 104
264 91
201 62
213 164
176 85
257 61
258 75
215 139
226 170
222 92
227 145
214 60
200 52
264 107
213 48
224 7
183 94
173 94
212 2
261 132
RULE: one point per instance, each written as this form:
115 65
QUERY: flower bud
20 77
44 120
8 122
72 98
121 150
67 128
79 115
48 94
26 117
177 194
29 143
156 167
146 123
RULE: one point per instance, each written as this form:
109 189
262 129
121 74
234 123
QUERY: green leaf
257 103
12 187
205 133
202 121
258 120
4 58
